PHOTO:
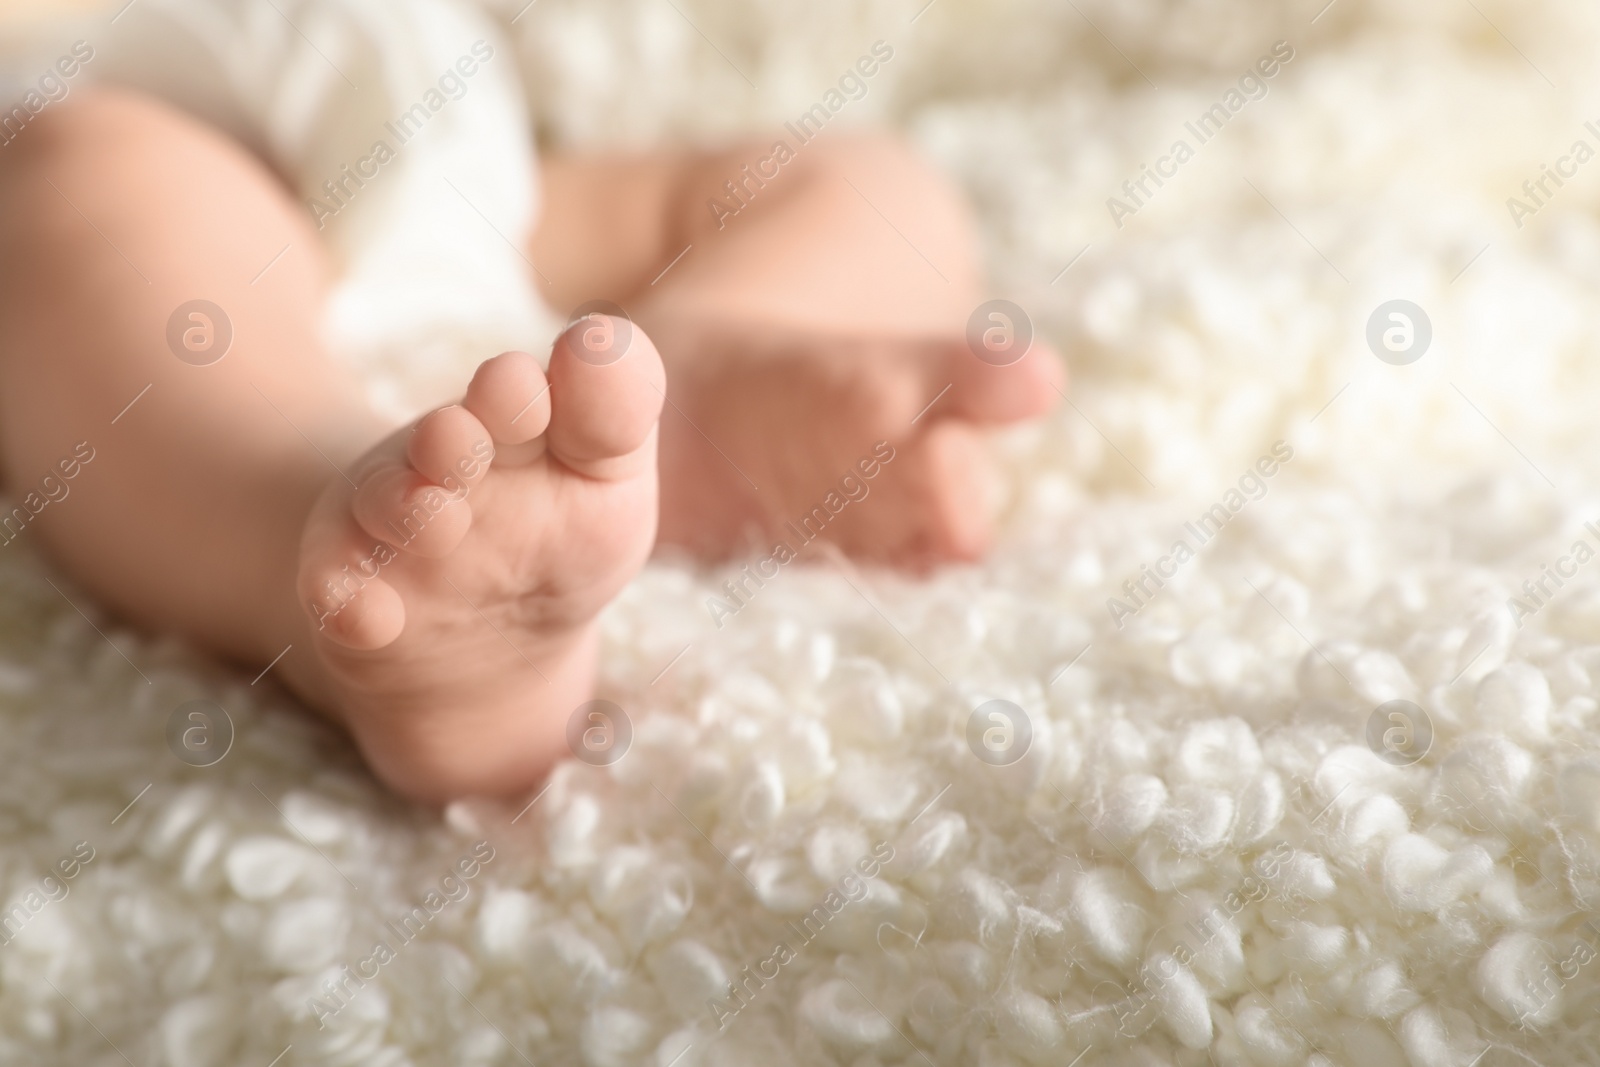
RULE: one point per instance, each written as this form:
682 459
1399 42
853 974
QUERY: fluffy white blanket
1210 851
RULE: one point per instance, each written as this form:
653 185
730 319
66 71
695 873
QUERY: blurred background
1378 166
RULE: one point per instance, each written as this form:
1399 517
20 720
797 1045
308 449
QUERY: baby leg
117 213
438 583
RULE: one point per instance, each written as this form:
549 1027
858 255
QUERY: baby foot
453 580
768 424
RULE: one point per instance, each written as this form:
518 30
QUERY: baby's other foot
454 578
774 430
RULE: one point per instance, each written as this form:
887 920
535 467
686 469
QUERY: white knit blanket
1210 851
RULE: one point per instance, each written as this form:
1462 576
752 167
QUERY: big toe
1001 387
607 387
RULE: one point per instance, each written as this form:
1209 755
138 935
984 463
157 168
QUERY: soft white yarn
1200 859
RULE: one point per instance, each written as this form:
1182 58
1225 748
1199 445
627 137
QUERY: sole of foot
453 578
767 431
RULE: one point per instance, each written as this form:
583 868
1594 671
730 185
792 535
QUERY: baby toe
945 483
985 391
398 505
604 411
450 447
510 396
339 586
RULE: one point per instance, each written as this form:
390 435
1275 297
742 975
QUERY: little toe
339 587
365 620
510 396
606 405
